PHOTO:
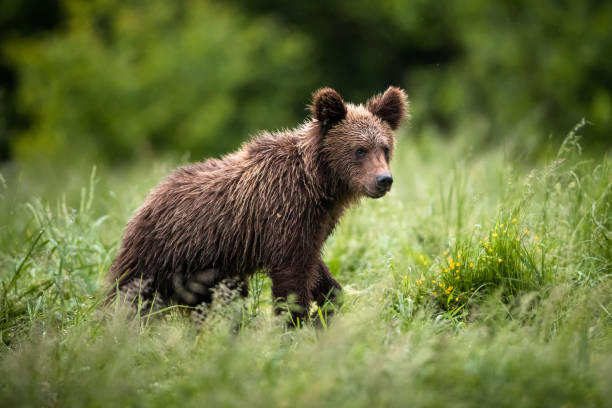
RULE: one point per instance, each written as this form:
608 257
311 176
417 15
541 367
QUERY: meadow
482 279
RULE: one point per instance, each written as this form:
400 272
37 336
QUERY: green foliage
506 258
123 77
526 63
555 227
52 272
119 78
572 199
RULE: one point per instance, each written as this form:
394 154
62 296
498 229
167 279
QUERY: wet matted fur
269 206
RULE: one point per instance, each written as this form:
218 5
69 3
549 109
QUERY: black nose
384 181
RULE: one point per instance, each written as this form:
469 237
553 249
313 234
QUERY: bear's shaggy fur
269 206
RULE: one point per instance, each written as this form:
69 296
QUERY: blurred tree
19 18
530 67
364 46
123 76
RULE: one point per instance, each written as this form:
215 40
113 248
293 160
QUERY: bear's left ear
391 106
327 107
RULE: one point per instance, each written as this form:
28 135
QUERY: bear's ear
391 106
327 107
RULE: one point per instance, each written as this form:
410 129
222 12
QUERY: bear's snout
384 181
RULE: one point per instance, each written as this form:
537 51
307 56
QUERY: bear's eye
360 152
386 152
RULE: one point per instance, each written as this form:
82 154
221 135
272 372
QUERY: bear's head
357 141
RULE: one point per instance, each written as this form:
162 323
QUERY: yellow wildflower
433 281
494 235
487 244
536 238
501 225
425 263
526 232
514 220
445 253
490 250
446 270
471 264
421 257
456 299
435 293
457 277
499 260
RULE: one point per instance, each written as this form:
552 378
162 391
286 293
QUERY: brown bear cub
269 206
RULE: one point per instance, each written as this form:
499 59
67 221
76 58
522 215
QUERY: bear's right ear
327 107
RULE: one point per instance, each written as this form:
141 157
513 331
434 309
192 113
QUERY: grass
479 281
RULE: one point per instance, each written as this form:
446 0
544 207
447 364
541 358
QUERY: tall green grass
479 281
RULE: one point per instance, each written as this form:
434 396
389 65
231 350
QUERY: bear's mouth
378 193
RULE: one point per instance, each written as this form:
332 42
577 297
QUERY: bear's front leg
327 291
293 286
326 287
